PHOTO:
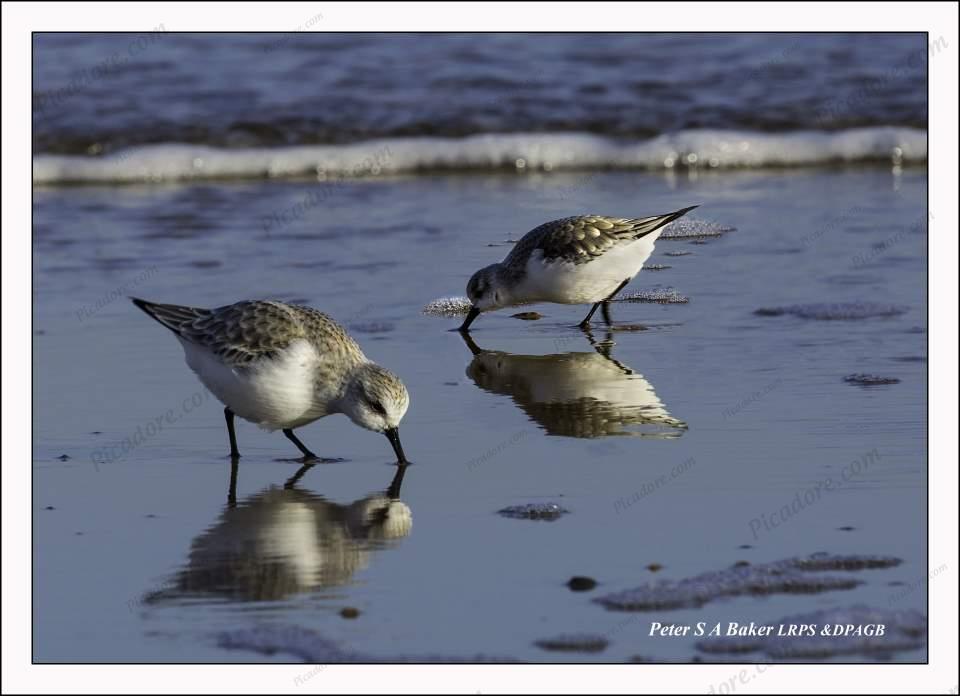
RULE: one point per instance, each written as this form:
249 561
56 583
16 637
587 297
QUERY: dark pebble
654 567
581 583
769 312
846 529
64 457
527 316
349 612
49 507
586 643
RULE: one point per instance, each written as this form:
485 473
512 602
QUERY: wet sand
139 555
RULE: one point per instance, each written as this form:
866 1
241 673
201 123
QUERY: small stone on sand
581 583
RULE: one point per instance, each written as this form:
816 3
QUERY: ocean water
368 175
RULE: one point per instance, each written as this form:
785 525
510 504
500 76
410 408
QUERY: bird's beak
393 434
471 315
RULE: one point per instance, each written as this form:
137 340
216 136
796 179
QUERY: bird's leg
471 315
605 310
292 481
393 492
586 320
234 452
588 332
606 303
300 446
602 347
471 344
232 493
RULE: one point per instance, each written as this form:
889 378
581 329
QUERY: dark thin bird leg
586 320
471 315
292 481
300 446
602 347
471 344
605 305
605 311
234 452
393 492
232 493
588 332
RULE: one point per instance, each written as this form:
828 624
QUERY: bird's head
485 291
377 400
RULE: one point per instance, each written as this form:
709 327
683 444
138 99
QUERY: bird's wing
585 237
244 332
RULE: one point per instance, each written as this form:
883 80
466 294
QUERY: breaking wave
525 152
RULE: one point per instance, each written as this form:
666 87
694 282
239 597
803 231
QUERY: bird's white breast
273 393
590 281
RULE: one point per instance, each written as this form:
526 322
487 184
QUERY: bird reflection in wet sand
287 541
576 394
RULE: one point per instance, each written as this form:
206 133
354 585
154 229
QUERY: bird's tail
174 317
641 227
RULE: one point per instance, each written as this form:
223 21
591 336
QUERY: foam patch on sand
310 647
694 229
534 511
658 296
789 576
865 380
836 311
447 307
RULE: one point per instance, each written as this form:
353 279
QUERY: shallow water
141 557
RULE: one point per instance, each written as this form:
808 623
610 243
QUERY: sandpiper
575 260
282 366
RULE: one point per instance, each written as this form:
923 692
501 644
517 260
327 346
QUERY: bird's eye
377 407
